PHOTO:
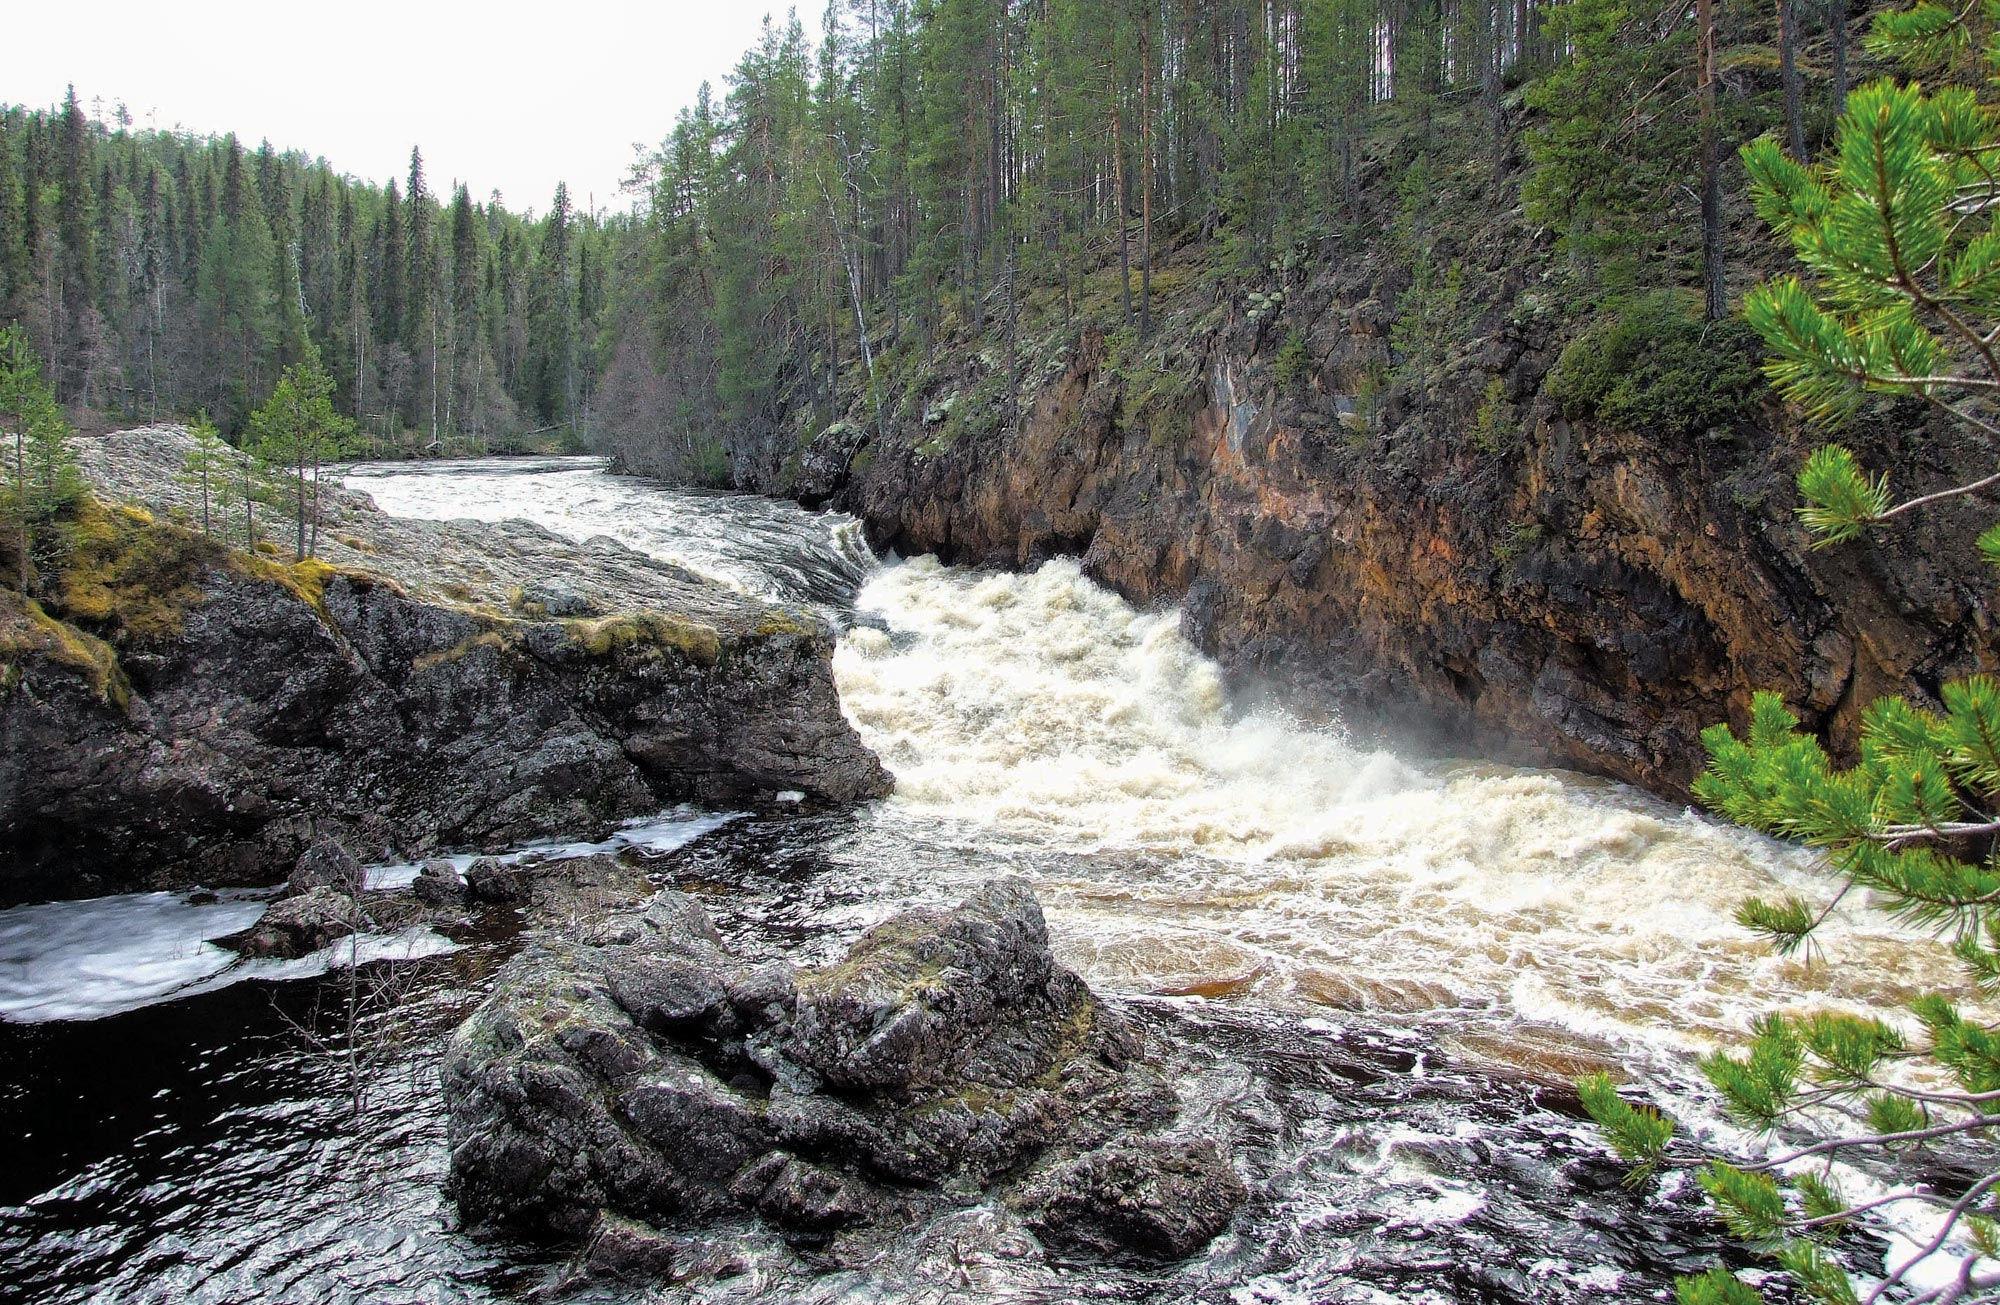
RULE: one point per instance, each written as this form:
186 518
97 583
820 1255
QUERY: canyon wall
1455 556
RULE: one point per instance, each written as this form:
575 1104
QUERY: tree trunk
1013 341
21 498
1146 171
1837 24
1788 40
1716 298
1118 203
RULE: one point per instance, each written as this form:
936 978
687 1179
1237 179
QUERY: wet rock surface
297 925
644 1071
403 699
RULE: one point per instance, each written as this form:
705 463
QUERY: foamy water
1184 846
754 545
1341 940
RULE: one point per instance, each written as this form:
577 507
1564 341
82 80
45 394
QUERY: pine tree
208 467
40 476
1900 242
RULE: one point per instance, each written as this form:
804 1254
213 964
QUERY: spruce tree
298 429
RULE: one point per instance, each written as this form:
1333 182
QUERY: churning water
1382 968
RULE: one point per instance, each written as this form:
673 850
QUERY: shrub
1654 365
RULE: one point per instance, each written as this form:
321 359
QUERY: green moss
610 634
27 630
305 580
127 571
484 639
1653 365
780 622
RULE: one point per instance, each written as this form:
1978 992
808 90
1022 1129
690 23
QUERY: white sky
506 96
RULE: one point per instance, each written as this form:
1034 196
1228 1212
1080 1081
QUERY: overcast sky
502 96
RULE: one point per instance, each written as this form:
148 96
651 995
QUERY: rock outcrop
1565 589
178 712
645 1072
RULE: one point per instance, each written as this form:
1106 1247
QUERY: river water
1383 968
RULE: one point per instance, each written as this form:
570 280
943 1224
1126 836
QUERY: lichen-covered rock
326 864
651 1072
215 738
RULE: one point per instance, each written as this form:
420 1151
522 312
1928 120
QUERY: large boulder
301 924
647 1071
327 864
1142 1197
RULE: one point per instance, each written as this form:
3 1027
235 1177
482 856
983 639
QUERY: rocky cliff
175 711
1570 539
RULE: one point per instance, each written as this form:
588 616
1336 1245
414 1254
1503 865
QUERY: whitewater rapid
1038 723
1184 845
1376 962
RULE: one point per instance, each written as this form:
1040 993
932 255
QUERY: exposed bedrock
175 712
1570 592
647 1073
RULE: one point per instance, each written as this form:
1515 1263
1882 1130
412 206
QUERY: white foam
659 835
104 956
1041 717
88 959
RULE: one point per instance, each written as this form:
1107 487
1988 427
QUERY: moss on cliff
128 572
27 630
305 580
607 635
463 648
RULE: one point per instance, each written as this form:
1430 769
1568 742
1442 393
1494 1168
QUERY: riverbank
179 711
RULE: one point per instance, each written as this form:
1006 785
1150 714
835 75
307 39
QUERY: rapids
1390 964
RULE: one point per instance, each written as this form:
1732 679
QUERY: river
1393 962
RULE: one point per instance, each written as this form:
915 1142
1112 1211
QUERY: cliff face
1577 590
199 718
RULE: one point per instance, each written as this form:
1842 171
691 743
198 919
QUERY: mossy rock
608 635
27 630
131 573
464 647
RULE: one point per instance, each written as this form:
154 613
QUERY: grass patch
608 635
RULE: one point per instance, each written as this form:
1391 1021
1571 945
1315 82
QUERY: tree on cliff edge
1898 234
39 474
298 429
